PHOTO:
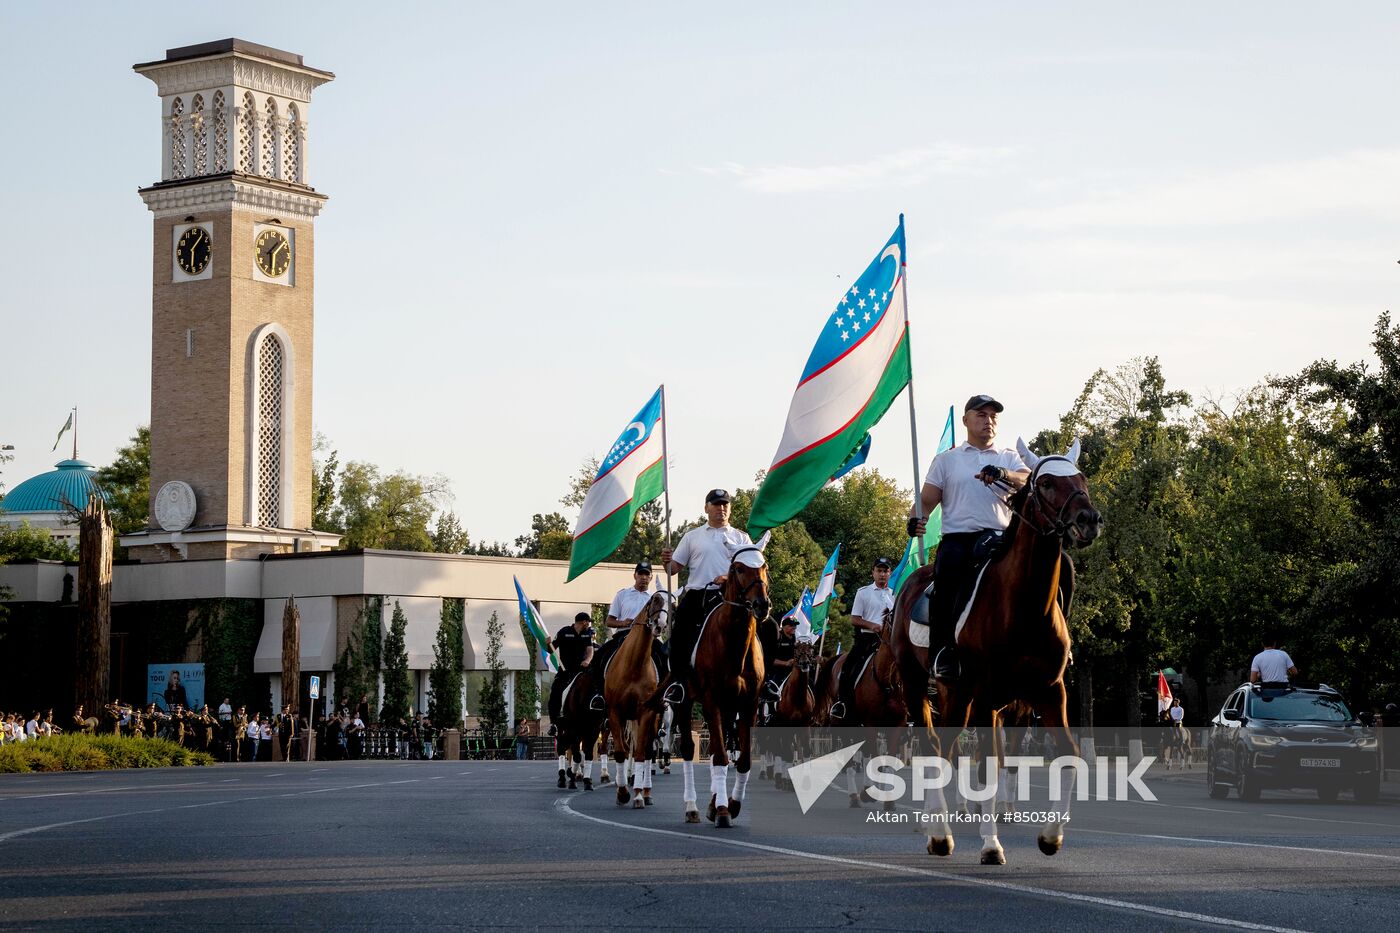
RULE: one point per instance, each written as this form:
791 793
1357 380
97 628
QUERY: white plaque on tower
175 506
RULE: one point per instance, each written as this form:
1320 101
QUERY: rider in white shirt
867 618
626 607
707 553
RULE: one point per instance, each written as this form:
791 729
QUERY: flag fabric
860 456
531 618
857 368
912 559
62 431
826 589
1164 692
631 475
802 613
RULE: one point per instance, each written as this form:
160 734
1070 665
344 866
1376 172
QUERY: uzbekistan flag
826 588
912 559
858 367
802 613
631 475
531 618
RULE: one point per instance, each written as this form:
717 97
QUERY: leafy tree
398 688
127 484
23 542
449 537
527 691
549 538
357 670
493 549
445 676
493 691
323 470
392 512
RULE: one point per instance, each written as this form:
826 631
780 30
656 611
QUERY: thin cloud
1363 182
897 169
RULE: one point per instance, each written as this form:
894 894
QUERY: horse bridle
657 623
1057 525
746 602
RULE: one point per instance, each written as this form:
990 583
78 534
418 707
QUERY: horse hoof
993 857
561 783
722 820
587 783
1049 846
734 807
710 811
637 803
855 801
940 847
889 806
692 816
648 801
622 795
605 779
666 770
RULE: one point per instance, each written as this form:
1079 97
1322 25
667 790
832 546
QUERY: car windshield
1299 707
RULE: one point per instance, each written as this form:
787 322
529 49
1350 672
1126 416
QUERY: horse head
747 583
657 614
1055 499
804 657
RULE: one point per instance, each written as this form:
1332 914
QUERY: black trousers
556 691
690 615
864 645
603 655
952 582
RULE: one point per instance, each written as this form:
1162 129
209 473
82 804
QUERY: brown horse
628 684
877 705
796 707
579 727
726 675
1013 641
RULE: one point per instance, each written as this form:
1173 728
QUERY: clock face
274 253
193 250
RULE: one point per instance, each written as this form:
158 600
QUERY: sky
539 213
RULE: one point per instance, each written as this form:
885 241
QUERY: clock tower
232 311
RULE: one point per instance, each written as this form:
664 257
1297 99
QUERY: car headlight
1264 741
1366 742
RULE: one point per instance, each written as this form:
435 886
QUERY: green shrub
94 753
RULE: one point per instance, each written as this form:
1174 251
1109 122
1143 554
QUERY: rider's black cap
883 562
983 401
642 567
789 620
583 617
717 495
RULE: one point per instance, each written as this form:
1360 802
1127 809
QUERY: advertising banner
171 684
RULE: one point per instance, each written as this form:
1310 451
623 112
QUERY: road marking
314 770
1250 845
108 790
275 774
563 804
464 772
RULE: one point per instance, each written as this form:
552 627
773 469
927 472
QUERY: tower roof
221 47
69 483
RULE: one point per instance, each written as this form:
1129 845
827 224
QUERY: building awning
317 635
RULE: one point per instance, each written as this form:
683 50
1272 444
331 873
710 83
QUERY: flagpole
666 483
75 432
913 426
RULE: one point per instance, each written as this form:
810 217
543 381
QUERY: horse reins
1058 526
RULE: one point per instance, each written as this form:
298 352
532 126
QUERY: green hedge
96 753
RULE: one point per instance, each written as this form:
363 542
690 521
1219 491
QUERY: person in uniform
574 643
961 481
706 553
286 728
240 733
626 607
777 659
867 618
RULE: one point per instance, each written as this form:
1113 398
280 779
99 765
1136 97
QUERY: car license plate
1320 762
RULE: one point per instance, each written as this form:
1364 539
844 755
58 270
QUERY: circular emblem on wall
175 506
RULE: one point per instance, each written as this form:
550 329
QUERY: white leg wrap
850 780
562 763
588 770
741 785
688 777
719 784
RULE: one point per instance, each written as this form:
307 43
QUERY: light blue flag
531 618
826 589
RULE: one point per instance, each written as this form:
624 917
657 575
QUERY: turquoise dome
68 484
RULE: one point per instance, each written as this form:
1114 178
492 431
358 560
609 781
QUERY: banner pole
666 483
913 425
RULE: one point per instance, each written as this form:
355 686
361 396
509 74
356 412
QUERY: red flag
1164 692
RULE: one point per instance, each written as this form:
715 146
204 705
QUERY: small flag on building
631 475
826 589
531 617
67 425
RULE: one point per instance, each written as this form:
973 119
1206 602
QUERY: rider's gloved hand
991 473
915 526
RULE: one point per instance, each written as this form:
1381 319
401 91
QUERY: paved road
365 845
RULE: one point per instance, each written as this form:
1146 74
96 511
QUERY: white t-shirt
872 602
707 553
1272 666
31 728
266 731
1176 713
628 604
225 712
255 730
968 503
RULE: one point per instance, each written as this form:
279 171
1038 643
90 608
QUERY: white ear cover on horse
1072 455
1025 452
763 541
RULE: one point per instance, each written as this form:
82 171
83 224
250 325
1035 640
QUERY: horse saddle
987 546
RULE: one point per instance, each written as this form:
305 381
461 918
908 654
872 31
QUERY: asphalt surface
463 845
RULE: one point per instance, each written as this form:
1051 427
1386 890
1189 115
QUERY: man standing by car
1271 667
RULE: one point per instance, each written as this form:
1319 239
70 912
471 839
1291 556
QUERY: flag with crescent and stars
531 617
631 475
857 369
